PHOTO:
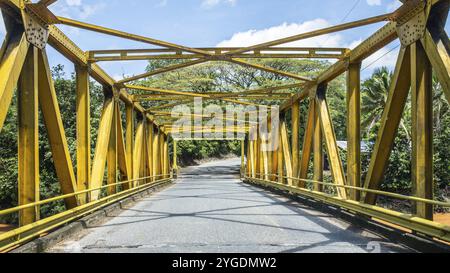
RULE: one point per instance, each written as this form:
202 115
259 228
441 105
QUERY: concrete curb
67 231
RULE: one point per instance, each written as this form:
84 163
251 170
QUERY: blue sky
200 23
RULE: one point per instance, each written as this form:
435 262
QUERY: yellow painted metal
270 70
422 129
242 156
175 157
161 71
314 33
260 163
418 224
190 94
13 238
101 149
112 155
83 131
169 114
438 55
318 149
156 153
150 132
55 130
379 192
307 143
138 150
280 158
130 115
166 166
398 93
337 170
10 67
121 34
172 54
122 160
295 145
354 128
286 151
28 146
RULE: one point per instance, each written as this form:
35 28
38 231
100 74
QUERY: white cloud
373 2
393 5
162 3
207 4
73 2
76 9
252 37
383 57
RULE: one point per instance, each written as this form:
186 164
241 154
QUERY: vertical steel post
129 137
112 157
295 139
318 150
354 129
28 146
83 132
422 129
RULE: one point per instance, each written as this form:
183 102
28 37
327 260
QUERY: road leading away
210 210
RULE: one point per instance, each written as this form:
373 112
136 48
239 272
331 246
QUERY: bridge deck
210 210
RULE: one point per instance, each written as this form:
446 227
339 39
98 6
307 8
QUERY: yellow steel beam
28 146
430 228
307 143
150 137
268 97
112 155
122 159
101 149
286 152
122 34
318 149
166 53
156 153
376 41
337 170
55 130
262 91
398 93
83 131
295 145
314 33
270 70
279 152
130 138
169 114
137 150
354 128
440 59
188 94
161 71
422 129
11 64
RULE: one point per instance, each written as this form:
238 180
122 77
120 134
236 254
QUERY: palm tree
375 92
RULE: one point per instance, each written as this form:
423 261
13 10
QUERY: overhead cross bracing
139 151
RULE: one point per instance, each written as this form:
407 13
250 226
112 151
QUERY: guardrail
408 221
11 239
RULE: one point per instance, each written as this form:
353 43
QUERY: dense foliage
224 77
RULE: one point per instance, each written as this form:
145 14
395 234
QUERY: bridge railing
115 193
405 220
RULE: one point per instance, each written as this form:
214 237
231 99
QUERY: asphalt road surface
210 210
